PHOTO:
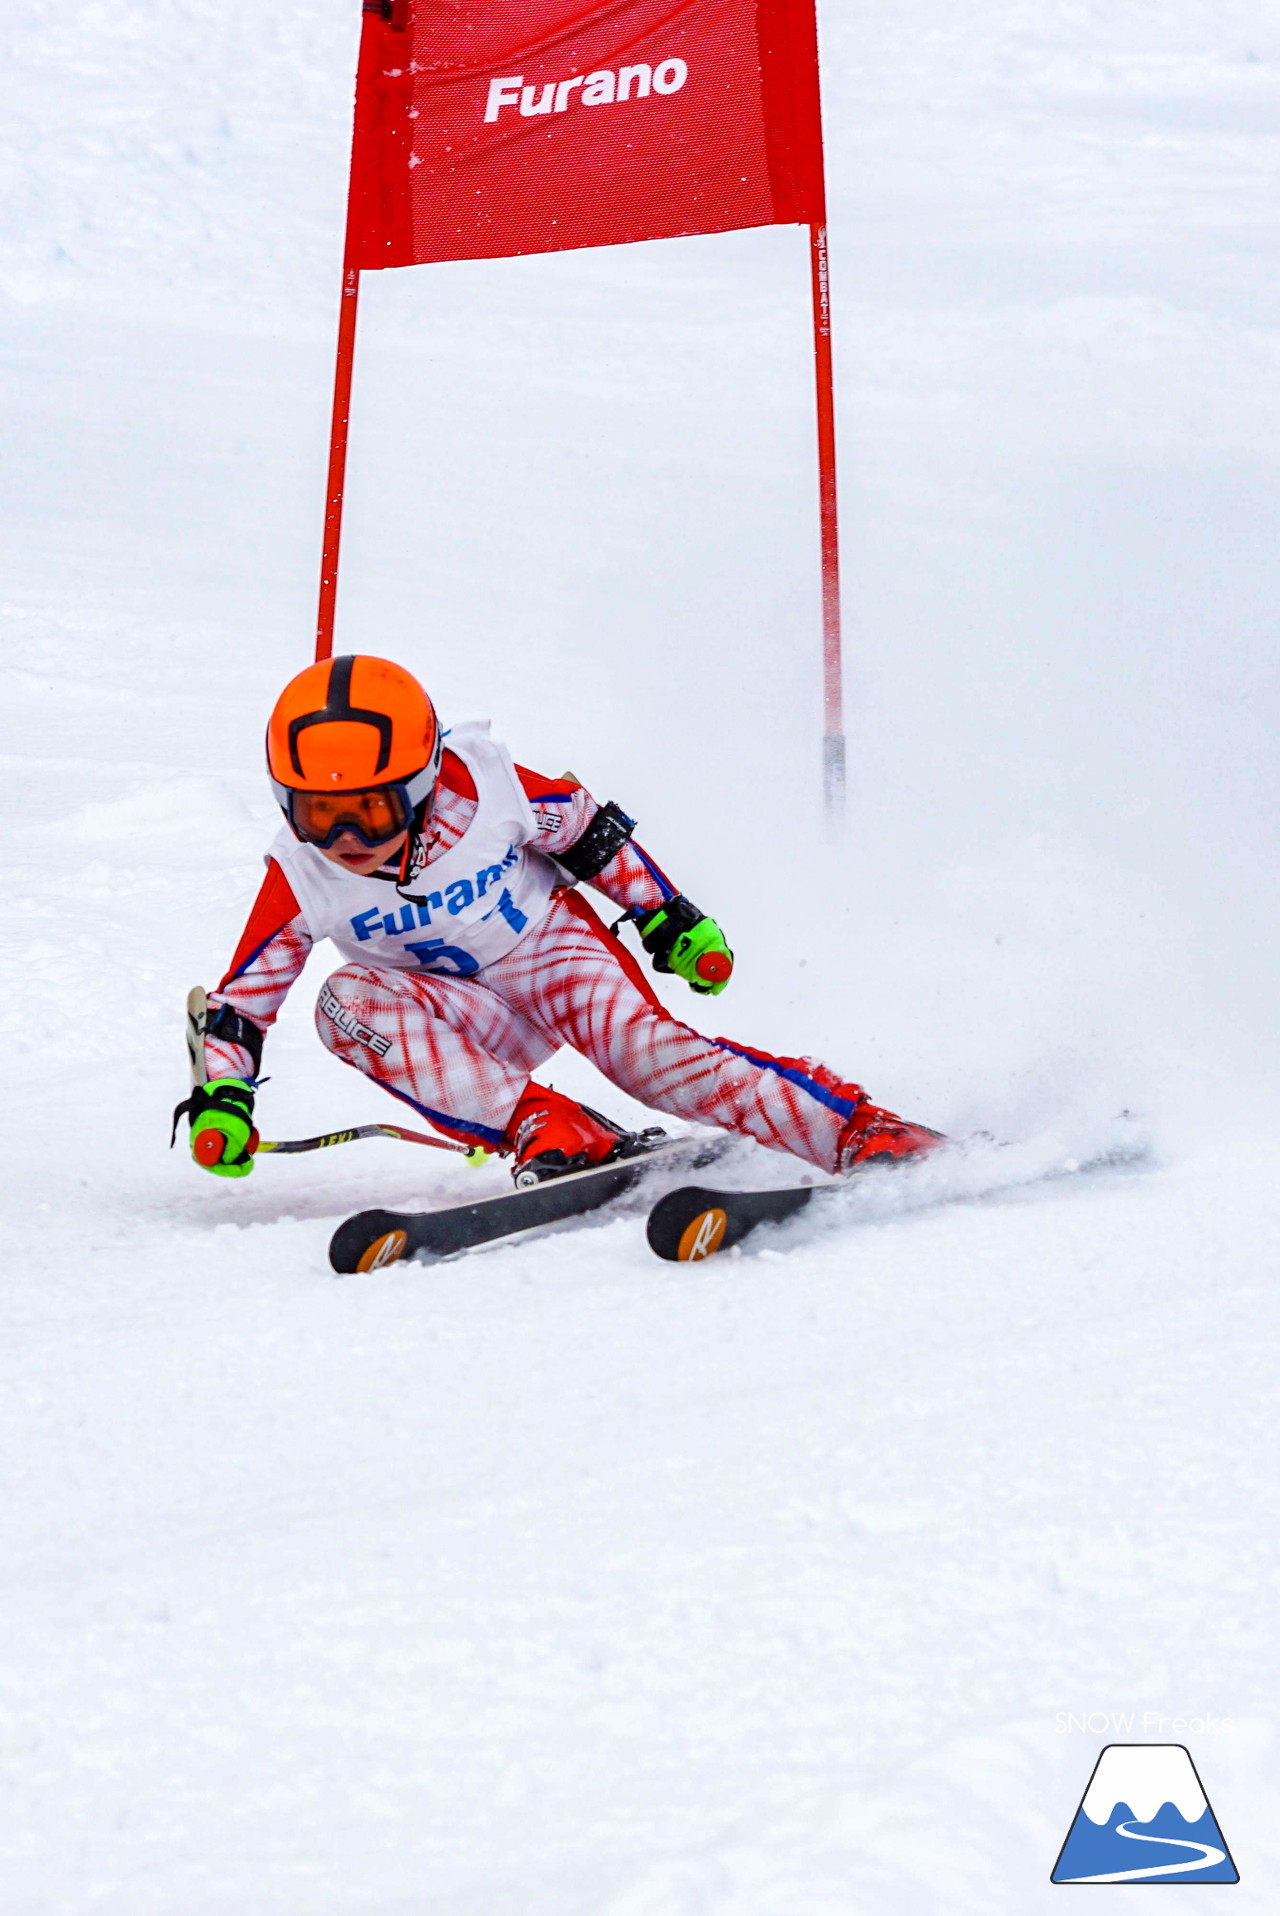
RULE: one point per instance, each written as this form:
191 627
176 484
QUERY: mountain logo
1145 1819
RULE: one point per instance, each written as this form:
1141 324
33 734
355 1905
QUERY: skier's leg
453 1050
575 979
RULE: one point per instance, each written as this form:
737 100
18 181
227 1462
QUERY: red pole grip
208 1147
714 967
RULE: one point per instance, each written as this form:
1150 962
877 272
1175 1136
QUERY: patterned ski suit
459 1042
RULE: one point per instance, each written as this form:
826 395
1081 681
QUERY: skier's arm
272 951
568 816
583 836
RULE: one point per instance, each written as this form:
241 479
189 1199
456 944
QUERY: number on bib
434 955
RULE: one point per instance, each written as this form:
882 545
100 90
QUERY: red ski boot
551 1136
873 1133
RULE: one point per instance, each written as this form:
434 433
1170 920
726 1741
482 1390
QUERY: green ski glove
223 1139
682 939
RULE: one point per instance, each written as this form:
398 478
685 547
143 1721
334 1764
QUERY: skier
445 876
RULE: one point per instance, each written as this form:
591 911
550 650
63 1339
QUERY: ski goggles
375 815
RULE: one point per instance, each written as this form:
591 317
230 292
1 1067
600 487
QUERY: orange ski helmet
353 744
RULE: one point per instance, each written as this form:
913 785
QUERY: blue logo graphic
1145 1819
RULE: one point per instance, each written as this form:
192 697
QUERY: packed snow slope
557 1582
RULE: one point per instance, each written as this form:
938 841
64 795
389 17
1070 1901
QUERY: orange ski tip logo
703 1237
384 1250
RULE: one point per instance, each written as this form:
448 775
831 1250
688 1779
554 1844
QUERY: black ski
691 1223
373 1239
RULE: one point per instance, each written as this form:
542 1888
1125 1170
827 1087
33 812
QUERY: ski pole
209 1145
475 1154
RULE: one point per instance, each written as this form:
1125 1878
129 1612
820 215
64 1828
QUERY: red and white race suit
462 981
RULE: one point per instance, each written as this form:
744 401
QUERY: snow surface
558 1581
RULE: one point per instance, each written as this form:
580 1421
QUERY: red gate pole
832 689
337 458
